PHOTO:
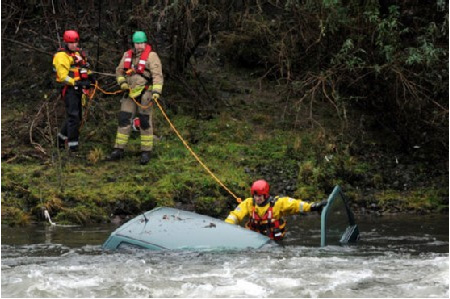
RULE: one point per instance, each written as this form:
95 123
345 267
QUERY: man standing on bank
140 73
72 72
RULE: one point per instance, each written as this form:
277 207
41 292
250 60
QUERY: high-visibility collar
79 56
78 67
267 216
127 65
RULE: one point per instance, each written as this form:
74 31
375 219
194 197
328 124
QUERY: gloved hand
318 206
124 86
84 74
83 84
155 96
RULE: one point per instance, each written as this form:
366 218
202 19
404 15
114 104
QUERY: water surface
398 256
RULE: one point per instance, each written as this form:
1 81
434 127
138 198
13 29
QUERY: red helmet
71 36
260 187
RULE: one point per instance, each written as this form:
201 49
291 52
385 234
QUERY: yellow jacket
283 206
67 71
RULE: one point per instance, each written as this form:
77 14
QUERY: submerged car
172 229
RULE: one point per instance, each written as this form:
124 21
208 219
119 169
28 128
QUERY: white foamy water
278 272
410 263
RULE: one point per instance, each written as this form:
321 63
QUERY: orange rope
120 91
107 92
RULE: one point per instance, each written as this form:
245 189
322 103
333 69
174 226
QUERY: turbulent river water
397 256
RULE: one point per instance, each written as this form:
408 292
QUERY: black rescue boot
73 149
145 158
116 154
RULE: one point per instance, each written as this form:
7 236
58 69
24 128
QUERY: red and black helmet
71 36
260 187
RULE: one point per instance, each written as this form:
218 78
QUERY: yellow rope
193 153
238 199
120 91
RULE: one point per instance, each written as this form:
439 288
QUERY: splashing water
397 257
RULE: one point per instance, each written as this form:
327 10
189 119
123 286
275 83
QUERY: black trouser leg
73 116
62 136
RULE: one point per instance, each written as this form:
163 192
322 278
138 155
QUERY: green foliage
388 31
14 216
350 57
333 170
422 200
426 53
81 215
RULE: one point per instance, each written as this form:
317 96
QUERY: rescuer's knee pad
124 119
145 121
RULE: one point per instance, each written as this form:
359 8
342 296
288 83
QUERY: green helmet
139 37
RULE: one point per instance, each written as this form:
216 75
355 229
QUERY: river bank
238 143
300 162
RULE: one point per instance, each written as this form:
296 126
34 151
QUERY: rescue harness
78 70
130 69
267 225
128 66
